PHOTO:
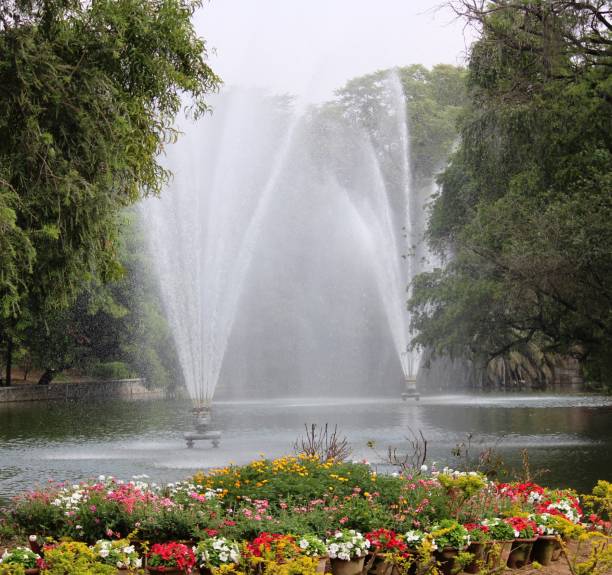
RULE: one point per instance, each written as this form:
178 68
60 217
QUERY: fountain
256 182
202 421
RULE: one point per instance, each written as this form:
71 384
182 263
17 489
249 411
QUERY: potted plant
388 551
450 539
347 550
214 552
24 557
549 539
480 543
525 534
75 558
119 553
414 538
502 537
171 558
276 547
313 546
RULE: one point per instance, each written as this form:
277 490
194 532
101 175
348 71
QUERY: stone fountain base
192 436
202 431
410 389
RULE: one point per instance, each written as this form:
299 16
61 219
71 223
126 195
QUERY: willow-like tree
88 94
525 208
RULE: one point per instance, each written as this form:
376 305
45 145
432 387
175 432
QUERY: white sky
311 47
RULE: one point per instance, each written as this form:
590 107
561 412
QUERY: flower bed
292 512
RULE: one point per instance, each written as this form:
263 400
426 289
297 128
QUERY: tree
525 211
88 95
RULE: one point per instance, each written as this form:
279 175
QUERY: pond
569 436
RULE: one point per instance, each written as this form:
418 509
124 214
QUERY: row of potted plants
410 517
346 550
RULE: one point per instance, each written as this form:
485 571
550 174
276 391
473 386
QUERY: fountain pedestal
410 389
202 431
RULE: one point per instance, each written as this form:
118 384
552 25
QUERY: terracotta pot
480 551
32 571
556 555
322 563
34 546
544 548
520 553
382 567
352 567
447 559
499 552
165 571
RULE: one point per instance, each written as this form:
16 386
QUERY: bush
112 370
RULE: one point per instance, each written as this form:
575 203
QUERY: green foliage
450 533
112 370
20 556
524 208
113 331
434 100
90 93
74 558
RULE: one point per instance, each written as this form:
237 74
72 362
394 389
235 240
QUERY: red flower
172 554
387 541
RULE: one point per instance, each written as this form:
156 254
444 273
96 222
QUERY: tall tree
88 95
525 210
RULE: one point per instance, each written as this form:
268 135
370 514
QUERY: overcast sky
311 47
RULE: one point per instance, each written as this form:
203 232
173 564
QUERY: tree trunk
47 376
8 379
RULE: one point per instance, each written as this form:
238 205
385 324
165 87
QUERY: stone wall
77 390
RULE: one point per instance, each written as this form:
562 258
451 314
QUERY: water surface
568 435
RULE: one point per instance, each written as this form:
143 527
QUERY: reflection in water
568 435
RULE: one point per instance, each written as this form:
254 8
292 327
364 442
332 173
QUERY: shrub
111 370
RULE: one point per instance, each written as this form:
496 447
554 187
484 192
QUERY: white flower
423 468
303 543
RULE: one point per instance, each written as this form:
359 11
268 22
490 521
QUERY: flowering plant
568 507
172 554
499 530
450 533
479 533
216 551
312 546
120 553
274 546
21 556
523 527
387 541
414 538
347 544
544 524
